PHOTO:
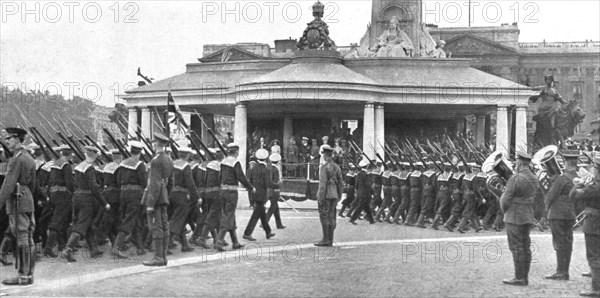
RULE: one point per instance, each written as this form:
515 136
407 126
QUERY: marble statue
394 42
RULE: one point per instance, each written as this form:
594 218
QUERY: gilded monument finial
316 34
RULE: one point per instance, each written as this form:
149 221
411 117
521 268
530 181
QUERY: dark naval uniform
184 190
61 189
231 175
350 194
212 195
444 198
156 200
87 201
403 180
132 178
517 204
363 195
590 195
387 194
469 201
16 193
561 215
395 193
376 183
416 194
428 179
457 200
260 177
111 192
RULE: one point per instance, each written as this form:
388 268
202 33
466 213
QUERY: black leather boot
159 257
325 240
420 222
50 242
450 223
185 245
67 253
5 247
116 251
436 222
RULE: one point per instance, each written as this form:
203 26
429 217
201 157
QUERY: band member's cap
305 138
160 137
447 164
92 149
15 132
275 157
363 163
136 144
570 154
524 156
262 154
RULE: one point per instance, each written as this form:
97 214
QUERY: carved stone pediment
469 45
230 54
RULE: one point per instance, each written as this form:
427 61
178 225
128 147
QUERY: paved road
368 260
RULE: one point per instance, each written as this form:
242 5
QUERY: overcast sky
81 48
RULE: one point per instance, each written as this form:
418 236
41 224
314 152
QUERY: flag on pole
177 118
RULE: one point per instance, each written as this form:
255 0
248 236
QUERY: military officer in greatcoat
561 215
156 200
589 192
517 204
331 187
87 201
16 193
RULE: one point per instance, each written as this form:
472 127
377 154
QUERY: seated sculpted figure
394 42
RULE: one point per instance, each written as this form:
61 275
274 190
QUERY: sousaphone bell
498 163
546 157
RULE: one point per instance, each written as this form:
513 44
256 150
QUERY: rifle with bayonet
357 149
462 158
38 138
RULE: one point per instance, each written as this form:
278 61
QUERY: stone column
288 131
132 121
479 129
146 123
460 126
379 129
502 140
521 129
240 131
369 129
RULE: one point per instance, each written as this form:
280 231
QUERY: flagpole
166 115
469 13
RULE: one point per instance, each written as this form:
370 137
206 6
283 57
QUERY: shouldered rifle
194 135
361 152
210 131
115 143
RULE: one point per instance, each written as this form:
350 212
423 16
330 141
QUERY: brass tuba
499 171
547 166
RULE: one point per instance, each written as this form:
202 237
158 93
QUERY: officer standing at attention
16 193
589 193
561 215
517 204
331 187
156 200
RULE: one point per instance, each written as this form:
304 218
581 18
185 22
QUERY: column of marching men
449 195
128 203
